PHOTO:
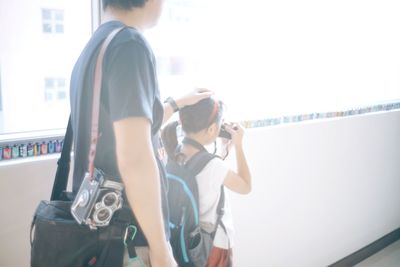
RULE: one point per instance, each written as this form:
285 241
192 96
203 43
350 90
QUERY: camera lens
110 199
102 215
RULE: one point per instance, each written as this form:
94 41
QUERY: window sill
29 160
30 136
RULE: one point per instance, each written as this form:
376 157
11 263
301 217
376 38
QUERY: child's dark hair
194 118
123 4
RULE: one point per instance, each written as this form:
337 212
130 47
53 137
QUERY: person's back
201 124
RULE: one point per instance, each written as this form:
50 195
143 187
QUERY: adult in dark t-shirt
131 114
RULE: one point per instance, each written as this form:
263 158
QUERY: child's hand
226 145
236 131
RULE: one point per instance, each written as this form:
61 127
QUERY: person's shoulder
131 41
131 36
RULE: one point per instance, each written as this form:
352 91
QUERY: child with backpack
203 177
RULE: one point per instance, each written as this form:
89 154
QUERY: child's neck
201 139
189 150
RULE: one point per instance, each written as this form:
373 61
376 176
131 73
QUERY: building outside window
53 21
55 90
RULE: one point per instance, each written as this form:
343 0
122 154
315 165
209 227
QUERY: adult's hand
186 100
193 97
162 257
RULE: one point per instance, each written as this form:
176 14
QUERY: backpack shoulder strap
197 163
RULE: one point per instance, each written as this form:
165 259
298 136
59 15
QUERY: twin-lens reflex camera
97 200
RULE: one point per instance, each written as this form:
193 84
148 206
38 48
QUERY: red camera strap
97 81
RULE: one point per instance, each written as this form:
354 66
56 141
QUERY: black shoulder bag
56 237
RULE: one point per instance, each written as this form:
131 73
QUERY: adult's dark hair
123 4
194 118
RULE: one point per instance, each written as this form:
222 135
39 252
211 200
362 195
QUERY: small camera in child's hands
97 200
223 133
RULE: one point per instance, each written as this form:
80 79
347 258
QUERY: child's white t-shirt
209 182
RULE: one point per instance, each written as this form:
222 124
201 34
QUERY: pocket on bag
199 253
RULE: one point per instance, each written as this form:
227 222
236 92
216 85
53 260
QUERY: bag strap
189 141
220 213
199 160
94 134
63 164
197 163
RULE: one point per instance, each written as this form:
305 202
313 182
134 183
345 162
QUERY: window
55 90
35 66
262 58
53 21
280 58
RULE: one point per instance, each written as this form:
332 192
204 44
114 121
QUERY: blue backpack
190 244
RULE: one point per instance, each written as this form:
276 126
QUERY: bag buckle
130 233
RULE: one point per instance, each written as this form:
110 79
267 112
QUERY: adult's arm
139 171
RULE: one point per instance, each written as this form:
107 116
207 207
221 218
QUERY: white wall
21 187
322 190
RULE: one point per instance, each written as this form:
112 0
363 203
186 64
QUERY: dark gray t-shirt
129 89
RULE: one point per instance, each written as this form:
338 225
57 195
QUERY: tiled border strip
32 147
322 115
44 146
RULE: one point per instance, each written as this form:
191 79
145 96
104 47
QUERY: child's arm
239 181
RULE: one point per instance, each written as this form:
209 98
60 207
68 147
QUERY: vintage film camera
97 200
